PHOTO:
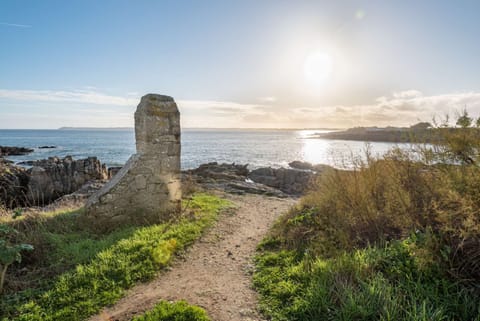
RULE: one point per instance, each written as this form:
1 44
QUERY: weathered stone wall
147 188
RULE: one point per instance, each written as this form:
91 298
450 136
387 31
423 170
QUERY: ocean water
258 148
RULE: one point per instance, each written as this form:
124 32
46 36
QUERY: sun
317 68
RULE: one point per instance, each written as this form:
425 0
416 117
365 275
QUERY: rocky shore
65 179
47 180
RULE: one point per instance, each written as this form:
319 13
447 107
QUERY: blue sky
238 63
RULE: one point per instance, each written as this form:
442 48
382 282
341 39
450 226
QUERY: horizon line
207 128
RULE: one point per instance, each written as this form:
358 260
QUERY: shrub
395 238
9 253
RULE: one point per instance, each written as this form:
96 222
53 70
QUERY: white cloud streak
79 96
16 25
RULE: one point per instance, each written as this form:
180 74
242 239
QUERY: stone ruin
148 187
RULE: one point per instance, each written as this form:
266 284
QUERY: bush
395 238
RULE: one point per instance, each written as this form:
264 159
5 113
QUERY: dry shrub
390 198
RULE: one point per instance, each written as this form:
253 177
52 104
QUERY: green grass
389 282
105 266
177 311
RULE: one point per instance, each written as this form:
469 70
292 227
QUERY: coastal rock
290 181
223 171
13 185
113 170
308 166
14 151
46 147
147 188
52 178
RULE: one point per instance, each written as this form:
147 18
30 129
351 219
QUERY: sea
256 147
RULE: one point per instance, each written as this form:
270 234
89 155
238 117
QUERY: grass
396 238
376 283
105 266
177 311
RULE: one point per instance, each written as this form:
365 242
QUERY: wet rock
46 147
14 151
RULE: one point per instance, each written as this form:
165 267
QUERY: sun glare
317 68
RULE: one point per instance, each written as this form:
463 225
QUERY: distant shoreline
185 128
421 132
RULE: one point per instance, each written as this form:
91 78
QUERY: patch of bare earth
215 273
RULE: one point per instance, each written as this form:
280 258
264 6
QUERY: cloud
407 94
268 99
78 96
402 108
399 109
17 25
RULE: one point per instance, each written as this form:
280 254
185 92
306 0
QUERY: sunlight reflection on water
258 148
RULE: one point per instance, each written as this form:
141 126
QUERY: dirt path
215 274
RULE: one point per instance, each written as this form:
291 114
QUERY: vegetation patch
108 265
396 238
177 311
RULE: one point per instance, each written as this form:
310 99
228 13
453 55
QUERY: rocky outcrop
220 171
54 177
231 178
308 166
290 181
13 185
238 178
46 180
14 151
147 188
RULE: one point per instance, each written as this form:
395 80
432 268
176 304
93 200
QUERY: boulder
308 166
290 181
215 171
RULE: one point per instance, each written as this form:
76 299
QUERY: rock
82 194
26 163
147 188
215 171
112 171
301 165
14 151
13 185
309 166
290 181
46 147
52 178
253 188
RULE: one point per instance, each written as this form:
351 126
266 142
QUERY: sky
238 64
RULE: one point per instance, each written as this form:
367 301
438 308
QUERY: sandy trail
215 273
